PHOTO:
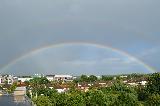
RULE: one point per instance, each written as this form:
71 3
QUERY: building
38 75
20 91
143 83
83 86
63 77
123 76
24 79
7 79
50 77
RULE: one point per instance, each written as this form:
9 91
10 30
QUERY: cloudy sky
132 27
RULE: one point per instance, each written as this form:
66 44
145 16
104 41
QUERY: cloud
131 26
81 62
150 51
76 59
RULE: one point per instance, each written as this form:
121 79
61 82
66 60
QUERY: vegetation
118 94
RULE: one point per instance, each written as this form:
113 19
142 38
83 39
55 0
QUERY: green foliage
153 100
75 99
121 87
117 94
154 83
134 75
92 78
107 78
84 78
38 85
127 99
12 87
42 101
142 93
95 97
61 99
38 80
27 83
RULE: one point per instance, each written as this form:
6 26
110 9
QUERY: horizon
41 74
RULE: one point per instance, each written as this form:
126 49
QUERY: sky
129 26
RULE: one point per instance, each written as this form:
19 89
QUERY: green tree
121 87
153 100
44 80
154 83
95 98
61 99
107 78
127 99
42 101
142 93
12 87
92 78
38 85
75 99
84 78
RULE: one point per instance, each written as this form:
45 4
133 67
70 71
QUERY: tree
38 84
107 78
61 99
153 85
84 78
127 99
27 83
95 98
75 99
39 81
12 87
44 80
92 78
153 100
121 87
42 101
142 93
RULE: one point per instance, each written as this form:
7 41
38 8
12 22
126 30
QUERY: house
63 77
7 79
1 79
123 76
61 88
38 75
143 83
23 79
83 86
50 77
132 83
20 91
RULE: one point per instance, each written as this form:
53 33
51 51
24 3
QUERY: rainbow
38 50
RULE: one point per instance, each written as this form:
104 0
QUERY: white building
63 77
143 83
9 79
50 77
24 79
0 79
123 76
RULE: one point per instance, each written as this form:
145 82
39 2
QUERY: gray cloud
131 26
